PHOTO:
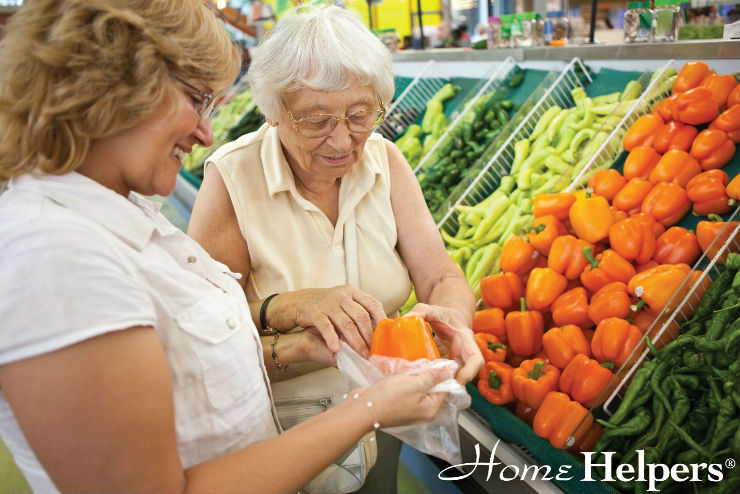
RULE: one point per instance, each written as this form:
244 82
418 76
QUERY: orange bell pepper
525 412
490 321
566 256
617 214
544 231
675 166
643 131
650 222
644 321
667 203
695 106
544 285
664 108
563 343
646 265
632 195
561 421
406 337
729 122
640 162
733 188
690 76
491 347
571 308
611 300
517 256
708 193
712 149
714 228
606 183
494 383
674 135
633 240
584 379
677 245
656 286
501 289
614 341
524 331
589 440
734 97
720 86
605 268
533 379
591 218
557 205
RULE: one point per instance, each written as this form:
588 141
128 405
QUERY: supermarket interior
579 160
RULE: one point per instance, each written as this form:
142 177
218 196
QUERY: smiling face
147 157
324 159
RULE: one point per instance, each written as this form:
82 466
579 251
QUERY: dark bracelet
263 312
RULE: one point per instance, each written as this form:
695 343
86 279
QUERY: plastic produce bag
440 437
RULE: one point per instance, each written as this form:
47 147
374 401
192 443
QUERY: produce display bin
501 73
410 103
553 90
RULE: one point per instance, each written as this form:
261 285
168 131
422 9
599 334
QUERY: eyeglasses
323 124
204 104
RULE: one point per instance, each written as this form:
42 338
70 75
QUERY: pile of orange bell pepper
579 291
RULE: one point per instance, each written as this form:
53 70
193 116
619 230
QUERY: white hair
325 49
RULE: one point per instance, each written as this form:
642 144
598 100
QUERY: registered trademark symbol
730 463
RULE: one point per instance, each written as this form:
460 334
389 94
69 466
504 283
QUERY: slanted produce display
611 323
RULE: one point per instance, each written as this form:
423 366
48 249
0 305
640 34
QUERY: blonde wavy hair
321 48
73 71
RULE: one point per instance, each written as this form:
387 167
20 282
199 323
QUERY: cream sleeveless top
292 244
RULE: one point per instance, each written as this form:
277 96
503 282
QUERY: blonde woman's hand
454 338
342 312
404 399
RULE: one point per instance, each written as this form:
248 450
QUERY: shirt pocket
219 339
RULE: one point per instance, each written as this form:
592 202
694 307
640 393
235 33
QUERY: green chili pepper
545 121
636 388
709 300
517 79
521 150
556 124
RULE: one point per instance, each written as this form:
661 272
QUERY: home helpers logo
599 466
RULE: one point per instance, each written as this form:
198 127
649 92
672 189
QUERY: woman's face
147 158
329 157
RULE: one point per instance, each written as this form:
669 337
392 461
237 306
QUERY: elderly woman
325 218
128 360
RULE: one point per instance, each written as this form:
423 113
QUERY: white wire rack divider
498 74
659 87
557 92
413 99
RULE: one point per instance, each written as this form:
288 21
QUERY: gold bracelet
281 367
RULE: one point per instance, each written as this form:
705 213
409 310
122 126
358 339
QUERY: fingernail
366 353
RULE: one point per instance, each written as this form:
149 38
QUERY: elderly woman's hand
455 339
340 312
